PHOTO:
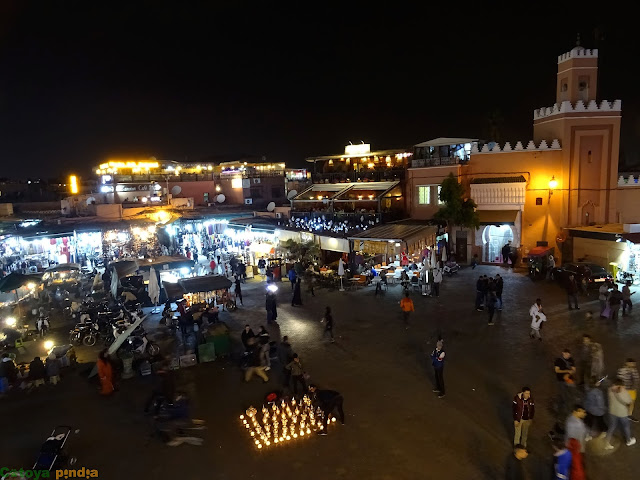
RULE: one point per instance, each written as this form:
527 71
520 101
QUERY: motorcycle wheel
153 349
73 339
89 340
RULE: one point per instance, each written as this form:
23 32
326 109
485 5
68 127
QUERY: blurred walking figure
603 296
105 373
626 298
328 319
536 325
596 408
437 360
572 292
619 403
297 374
297 295
615 299
630 377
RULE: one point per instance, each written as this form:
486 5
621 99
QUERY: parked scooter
451 267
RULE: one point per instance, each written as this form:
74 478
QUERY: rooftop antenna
350 142
362 142
578 40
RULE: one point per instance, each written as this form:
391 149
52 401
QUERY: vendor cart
538 260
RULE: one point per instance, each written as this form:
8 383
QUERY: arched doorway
494 237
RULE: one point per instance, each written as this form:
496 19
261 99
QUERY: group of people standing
588 407
489 295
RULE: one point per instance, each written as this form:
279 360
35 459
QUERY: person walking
292 278
597 361
561 460
105 373
619 403
43 326
492 300
212 266
265 353
603 296
238 290
271 307
572 292
296 300
585 359
328 401
53 369
626 298
615 299
437 360
535 308
499 288
37 372
577 461
297 374
406 305
596 408
536 325
523 411
437 279
328 321
628 373
254 365
575 427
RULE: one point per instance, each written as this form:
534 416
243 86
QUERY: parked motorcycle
624 277
451 267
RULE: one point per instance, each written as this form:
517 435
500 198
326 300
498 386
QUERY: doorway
461 246
494 237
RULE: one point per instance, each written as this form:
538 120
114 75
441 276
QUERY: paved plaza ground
396 428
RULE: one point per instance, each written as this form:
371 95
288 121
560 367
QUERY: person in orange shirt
406 305
105 373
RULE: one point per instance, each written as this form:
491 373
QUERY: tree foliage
305 252
457 210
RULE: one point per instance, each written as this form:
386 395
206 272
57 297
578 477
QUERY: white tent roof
436 142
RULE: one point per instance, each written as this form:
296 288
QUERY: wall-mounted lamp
553 183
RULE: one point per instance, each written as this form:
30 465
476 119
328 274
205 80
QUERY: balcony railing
340 223
363 176
437 161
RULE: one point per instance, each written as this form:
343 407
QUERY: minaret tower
589 133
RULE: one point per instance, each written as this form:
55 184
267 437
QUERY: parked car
593 274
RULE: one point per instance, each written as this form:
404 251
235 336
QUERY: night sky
178 81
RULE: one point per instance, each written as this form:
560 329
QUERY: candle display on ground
284 422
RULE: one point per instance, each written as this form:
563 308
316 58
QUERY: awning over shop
124 268
334 244
396 232
497 217
165 262
63 267
207 283
128 267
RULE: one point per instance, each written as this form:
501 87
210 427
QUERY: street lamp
553 183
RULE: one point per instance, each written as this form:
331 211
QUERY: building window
256 191
424 194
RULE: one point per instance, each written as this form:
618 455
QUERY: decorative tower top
577 75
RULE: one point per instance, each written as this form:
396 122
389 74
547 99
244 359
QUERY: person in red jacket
523 411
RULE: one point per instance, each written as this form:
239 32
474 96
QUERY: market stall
63 275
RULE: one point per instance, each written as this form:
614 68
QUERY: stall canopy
63 267
16 280
124 268
207 283
396 232
128 267
497 217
